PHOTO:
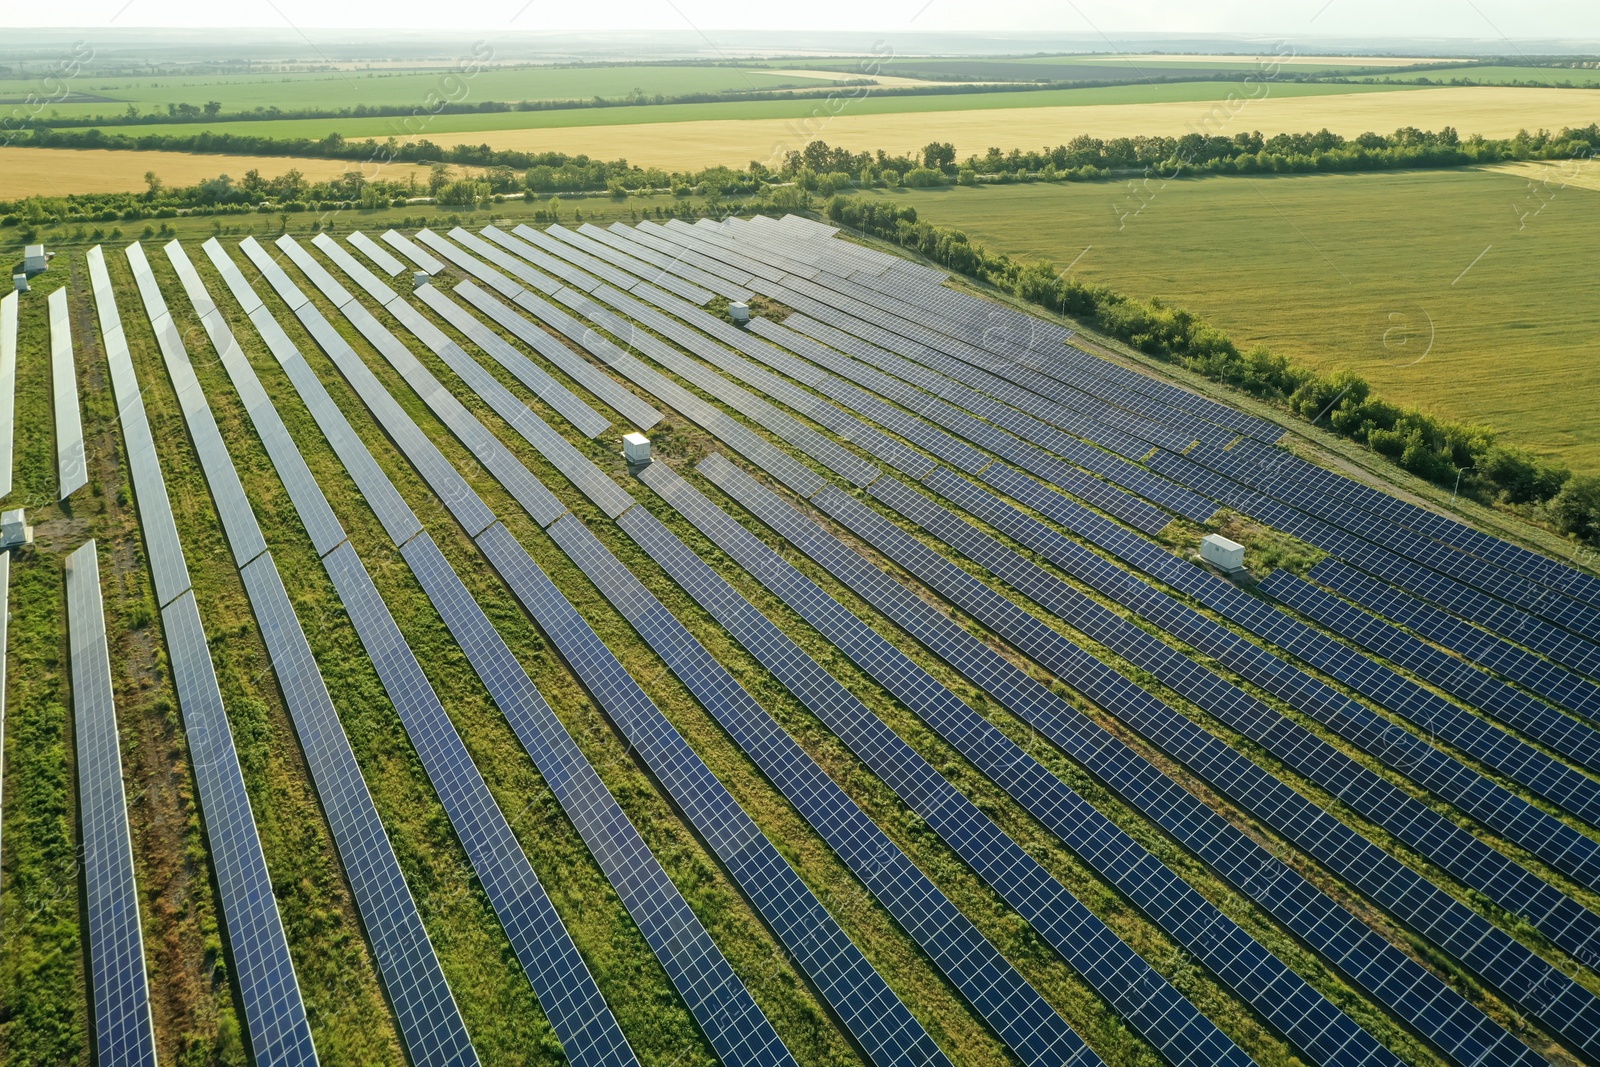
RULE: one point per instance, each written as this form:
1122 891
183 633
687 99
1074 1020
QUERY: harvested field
57 172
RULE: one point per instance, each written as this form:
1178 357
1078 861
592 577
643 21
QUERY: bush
1575 510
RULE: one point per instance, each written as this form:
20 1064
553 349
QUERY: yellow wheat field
1491 111
59 171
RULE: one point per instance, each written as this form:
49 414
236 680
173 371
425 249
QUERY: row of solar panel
719 1002
1442 528
274 1013
566 990
1339 937
564 522
1139 393
1495 615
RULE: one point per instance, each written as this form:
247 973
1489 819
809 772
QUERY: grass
1347 271
1491 74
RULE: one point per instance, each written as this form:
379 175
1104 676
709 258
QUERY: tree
153 180
939 155
1575 510
439 176
213 108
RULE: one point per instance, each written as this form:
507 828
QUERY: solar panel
124 1031
1364 956
1409 819
679 253
1283 484
738 1031
655 264
408 248
589 1033
71 465
451 489
1018 1013
1538 674
430 1024
274 1014
167 567
588 421
233 507
369 282
1398 748
8 386
569 362
1540 721
566 990
823 449
506 262
376 252
1298 1010
872 1013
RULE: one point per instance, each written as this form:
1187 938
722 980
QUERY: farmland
1322 267
52 172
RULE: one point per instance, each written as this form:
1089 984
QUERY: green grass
869 104
1358 271
321 89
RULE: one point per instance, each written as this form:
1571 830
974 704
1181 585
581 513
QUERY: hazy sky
1298 18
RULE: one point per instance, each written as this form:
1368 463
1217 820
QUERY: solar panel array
1400 749
1284 998
1537 720
430 1023
1487 611
124 1030
1131 986
1564 920
566 989
864 1001
1364 956
275 1016
71 466
883 368
719 1001
1540 600
1497 654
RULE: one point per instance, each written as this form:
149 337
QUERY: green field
1356 271
334 89
869 104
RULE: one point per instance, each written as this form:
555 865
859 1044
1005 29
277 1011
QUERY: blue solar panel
883 1026
721 1004
1018 1013
589 1033
71 466
1284 998
430 1023
588 421
1410 820
1151 1006
1282 481
1538 674
167 566
600 244
124 1031
1398 748
275 1016
573 365
1563 734
1492 614
1539 987
1363 955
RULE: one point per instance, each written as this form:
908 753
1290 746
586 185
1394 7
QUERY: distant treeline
1430 447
